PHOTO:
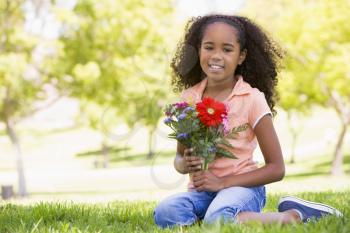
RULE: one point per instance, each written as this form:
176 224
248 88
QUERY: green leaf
224 153
236 130
223 141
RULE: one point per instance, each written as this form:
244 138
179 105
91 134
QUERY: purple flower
187 109
182 135
181 105
182 116
212 149
168 120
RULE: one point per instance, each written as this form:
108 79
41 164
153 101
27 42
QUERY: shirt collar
241 87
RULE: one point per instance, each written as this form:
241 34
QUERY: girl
230 59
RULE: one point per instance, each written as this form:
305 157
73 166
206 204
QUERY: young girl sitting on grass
230 59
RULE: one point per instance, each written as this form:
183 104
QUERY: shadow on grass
121 155
328 164
112 151
142 157
321 168
308 174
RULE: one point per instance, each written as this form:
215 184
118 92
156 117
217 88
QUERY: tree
294 103
107 45
318 39
296 90
148 110
292 86
24 75
325 49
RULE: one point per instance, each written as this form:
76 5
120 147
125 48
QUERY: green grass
138 217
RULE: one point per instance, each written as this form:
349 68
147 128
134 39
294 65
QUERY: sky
188 8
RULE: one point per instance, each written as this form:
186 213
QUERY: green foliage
145 108
114 55
318 51
315 35
122 216
22 77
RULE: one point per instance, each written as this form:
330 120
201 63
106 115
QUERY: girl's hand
192 163
207 181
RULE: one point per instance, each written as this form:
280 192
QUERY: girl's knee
227 215
163 214
170 213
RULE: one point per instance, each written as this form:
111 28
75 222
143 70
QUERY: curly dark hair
259 68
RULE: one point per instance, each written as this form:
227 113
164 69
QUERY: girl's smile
216 68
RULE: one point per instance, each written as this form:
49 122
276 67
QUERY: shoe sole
314 205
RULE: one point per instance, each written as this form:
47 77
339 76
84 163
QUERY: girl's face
219 52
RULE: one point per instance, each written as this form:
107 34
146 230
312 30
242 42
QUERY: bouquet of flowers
202 126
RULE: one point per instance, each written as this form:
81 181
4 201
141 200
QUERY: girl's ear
242 56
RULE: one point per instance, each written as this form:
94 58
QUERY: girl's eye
208 48
227 50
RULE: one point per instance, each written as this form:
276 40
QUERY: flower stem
205 166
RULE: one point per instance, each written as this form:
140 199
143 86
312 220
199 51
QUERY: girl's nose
217 55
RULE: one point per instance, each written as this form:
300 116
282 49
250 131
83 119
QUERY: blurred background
83 84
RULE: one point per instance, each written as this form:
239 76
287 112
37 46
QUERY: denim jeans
188 207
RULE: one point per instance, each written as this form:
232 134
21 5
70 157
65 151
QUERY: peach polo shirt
246 106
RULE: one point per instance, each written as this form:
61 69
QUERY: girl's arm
272 171
184 161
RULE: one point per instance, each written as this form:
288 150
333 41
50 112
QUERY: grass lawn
137 217
55 171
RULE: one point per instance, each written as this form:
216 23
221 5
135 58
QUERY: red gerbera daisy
211 112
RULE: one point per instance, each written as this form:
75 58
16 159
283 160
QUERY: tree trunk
105 154
294 142
22 191
150 143
338 155
294 133
342 108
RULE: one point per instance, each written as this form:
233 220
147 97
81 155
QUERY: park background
83 84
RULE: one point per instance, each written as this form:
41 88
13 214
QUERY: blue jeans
188 207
